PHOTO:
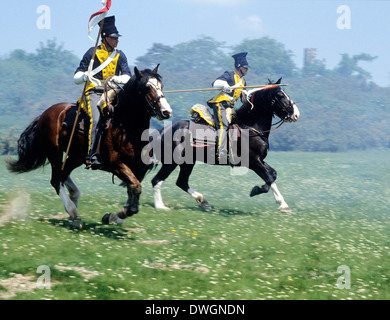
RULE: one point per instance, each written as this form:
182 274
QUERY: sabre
215 89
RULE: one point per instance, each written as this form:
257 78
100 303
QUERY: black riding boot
93 160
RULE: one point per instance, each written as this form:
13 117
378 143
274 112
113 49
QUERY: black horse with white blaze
186 141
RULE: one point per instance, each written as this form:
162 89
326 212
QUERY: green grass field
243 249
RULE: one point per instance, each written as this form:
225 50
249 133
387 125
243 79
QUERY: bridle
153 103
283 108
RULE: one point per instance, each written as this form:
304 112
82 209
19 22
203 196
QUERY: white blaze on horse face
296 113
295 116
165 106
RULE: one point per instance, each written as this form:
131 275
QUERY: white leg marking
279 198
195 194
74 192
158 201
70 207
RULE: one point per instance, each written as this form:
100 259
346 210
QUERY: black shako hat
240 60
109 29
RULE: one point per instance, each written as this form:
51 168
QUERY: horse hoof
255 191
162 207
106 218
205 205
285 210
132 211
76 223
259 190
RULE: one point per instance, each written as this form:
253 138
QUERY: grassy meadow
243 249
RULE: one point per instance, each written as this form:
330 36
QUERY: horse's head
151 87
282 105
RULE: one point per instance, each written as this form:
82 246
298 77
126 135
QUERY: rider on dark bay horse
108 62
231 84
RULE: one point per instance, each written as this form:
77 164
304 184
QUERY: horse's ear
138 73
269 81
279 81
155 70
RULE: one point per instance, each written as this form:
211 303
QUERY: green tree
316 68
348 66
203 55
158 53
268 58
34 81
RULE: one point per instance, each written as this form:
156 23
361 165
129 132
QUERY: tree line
341 108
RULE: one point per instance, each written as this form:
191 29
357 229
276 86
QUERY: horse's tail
30 152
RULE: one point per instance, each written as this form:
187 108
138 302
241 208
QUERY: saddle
83 121
203 129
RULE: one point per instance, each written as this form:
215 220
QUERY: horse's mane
132 92
260 99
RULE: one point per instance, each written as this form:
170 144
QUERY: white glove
121 79
223 85
80 77
226 88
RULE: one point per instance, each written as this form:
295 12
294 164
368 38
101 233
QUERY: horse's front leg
268 174
261 169
283 206
134 189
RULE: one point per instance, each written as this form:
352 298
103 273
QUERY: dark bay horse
47 138
254 118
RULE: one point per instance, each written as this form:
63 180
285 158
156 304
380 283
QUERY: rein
117 88
278 124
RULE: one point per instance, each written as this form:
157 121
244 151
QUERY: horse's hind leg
74 192
182 182
60 179
157 182
70 206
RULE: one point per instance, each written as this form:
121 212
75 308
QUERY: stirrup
93 162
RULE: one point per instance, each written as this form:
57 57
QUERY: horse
48 135
253 118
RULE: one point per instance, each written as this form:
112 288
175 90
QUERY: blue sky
296 24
